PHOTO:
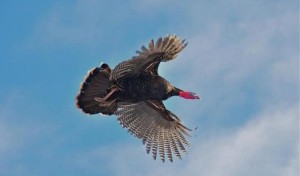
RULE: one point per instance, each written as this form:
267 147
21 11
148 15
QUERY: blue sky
242 58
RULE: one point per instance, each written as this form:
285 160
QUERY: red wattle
184 94
188 95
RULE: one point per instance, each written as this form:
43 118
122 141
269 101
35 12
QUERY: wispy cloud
266 145
11 134
258 63
21 131
226 62
242 58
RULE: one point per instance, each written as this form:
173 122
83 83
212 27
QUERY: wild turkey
134 91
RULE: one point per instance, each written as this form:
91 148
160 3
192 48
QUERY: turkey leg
102 100
108 103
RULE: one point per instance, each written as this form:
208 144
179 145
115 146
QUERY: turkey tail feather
96 84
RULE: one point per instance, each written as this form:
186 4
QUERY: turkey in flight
134 92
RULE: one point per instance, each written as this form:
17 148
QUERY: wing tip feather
161 140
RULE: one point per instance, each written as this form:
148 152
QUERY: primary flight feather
134 91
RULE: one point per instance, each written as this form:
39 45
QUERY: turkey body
143 88
134 91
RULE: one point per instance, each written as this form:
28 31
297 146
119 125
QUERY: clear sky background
242 58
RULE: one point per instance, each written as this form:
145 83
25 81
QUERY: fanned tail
96 84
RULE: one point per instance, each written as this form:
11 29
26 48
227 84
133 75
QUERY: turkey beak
196 96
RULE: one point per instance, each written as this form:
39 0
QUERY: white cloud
56 28
88 24
9 137
229 63
267 145
241 56
233 64
10 133
20 131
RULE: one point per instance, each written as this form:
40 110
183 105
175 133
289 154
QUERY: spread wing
160 129
148 59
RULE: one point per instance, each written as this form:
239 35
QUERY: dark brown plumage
134 92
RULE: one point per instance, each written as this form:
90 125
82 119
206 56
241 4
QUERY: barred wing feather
148 59
160 129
